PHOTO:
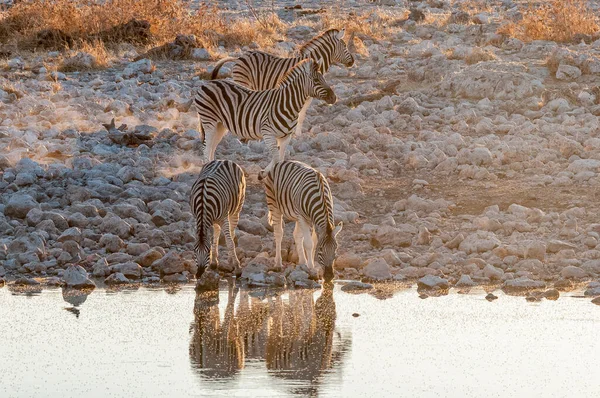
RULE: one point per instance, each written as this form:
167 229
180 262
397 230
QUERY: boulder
77 277
377 270
19 205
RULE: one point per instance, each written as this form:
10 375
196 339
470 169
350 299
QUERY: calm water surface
174 343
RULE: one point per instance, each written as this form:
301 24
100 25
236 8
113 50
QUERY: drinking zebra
300 193
216 200
261 71
251 115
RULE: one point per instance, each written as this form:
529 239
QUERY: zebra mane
304 50
323 182
294 72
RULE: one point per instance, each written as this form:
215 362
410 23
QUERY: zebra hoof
261 175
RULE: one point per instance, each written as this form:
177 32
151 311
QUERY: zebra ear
341 33
319 64
338 228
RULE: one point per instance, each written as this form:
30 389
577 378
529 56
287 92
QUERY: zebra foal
251 115
216 200
300 193
258 70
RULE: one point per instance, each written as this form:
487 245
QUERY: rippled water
173 343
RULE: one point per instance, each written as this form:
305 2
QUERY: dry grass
558 20
154 22
375 24
91 55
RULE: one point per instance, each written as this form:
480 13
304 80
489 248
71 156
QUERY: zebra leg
309 245
278 233
302 116
283 143
299 241
233 260
271 142
214 252
213 135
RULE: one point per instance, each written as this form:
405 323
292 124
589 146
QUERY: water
172 343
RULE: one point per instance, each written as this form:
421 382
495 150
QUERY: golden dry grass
93 20
557 20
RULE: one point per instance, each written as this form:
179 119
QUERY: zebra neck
295 95
317 54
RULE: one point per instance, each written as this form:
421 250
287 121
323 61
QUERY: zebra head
202 251
317 86
341 53
326 250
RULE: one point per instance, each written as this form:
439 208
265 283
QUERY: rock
554 246
208 281
432 282
114 225
536 250
491 297
2 271
112 243
593 291
573 272
348 260
19 205
596 301
73 234
356 286
551 294
175 278
171 263
101 269
130 269
522 284
455 242
77 277
465 281
401 236
378 270
567 72
200 54
23 281
424 237
489 271
147 258
139 67
479 242
563 284
116 279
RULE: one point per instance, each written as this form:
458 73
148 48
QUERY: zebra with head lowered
300 193
216 200
261 71
251 115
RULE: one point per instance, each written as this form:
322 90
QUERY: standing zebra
252 115
261 71
216 199
298 192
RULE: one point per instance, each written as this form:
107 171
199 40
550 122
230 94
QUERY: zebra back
218 191
261 71
299 191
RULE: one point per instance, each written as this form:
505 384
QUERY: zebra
300 193
216 200
270 114
261 71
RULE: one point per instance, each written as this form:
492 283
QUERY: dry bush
91 55
64 22
558 20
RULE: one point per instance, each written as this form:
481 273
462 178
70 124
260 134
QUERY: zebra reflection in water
295 338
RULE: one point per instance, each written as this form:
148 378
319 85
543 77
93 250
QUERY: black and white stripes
252 115
300 193
216 200
258 70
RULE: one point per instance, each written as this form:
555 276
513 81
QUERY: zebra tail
218 66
